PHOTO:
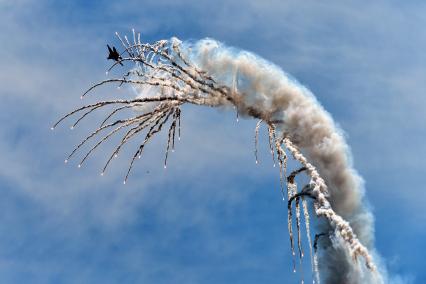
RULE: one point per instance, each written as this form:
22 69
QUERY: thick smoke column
266 89
171 73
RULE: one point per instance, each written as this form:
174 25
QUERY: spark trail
170 73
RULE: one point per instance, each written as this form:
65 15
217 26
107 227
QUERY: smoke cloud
276 96
170 73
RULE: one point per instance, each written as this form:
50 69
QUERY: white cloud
364 61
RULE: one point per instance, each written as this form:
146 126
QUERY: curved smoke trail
267 89
170 73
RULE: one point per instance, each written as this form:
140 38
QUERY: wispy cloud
364 61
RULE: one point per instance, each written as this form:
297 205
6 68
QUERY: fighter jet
113 54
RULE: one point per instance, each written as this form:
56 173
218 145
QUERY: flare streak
169 73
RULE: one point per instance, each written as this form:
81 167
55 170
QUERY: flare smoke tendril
170 73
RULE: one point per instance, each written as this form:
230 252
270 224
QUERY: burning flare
170 73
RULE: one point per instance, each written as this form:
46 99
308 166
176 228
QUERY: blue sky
213 216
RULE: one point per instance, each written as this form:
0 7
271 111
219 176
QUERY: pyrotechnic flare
316 270
256 140
308 232
291 190
170 73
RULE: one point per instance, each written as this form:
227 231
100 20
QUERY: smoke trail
171 73
268 92
308 235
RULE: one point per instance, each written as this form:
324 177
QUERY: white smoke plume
268 90
170 73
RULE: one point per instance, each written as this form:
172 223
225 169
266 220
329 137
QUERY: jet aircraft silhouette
113 54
